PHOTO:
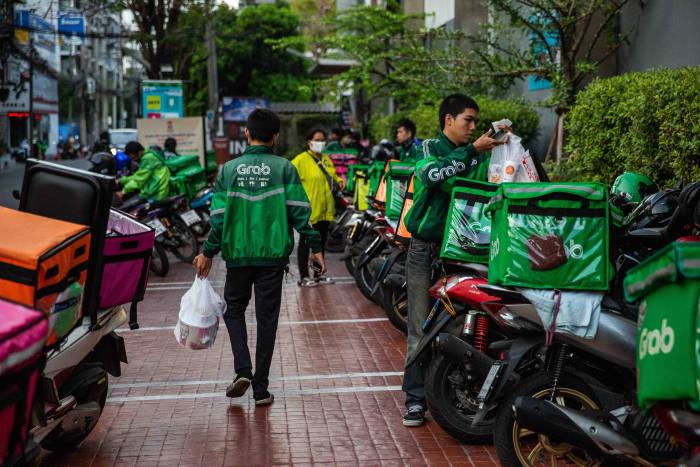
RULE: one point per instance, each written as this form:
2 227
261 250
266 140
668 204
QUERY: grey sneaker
307 282
238 387
325 280
263 399
415 416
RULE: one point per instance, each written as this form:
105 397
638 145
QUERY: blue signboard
162 99
42 30
540 50
72 26
237 109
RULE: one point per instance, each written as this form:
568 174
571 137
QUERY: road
336 377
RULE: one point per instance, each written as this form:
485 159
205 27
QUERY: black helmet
654 211
103 163
384 150
689 202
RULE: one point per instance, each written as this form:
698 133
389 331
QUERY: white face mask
318 146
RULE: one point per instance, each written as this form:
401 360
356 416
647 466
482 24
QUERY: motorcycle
585 408
465 385
201 204
74 382
168 217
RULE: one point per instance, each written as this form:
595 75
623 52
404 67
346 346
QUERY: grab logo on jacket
435 174
262 169
651 342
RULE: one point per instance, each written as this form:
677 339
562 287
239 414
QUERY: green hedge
644 122
522 114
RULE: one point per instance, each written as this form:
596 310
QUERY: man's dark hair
454 105
133 148
338 131
408 125
263 125
170 144
310 134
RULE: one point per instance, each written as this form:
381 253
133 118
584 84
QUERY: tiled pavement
336 375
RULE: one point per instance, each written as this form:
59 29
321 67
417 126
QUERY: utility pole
212 75
30 138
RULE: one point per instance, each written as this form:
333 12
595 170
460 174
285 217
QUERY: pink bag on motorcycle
23 333
127 255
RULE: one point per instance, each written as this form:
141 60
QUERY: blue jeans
419 273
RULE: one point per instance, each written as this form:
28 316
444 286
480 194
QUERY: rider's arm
433 171
139 178
216 212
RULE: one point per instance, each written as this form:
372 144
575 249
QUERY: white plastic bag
510 162
198 320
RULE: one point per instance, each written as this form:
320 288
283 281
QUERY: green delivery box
468 230
353 170
398 175
550 236
375 176
667 285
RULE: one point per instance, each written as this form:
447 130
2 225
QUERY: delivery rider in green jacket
440 160
258 200
406 139
152 179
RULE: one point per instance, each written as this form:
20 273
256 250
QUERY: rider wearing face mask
319 180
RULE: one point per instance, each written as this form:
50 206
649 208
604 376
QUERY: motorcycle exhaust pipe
583 430
456 349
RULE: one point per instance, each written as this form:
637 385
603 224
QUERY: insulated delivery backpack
397 177
667 286
550 236
468 229
43 265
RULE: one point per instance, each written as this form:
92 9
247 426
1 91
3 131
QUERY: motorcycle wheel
517 446
160 265
395 304
60 440
187 240
350 263
364 278
336 241
445 407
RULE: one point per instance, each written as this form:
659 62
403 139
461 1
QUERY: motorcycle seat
165 202
481 269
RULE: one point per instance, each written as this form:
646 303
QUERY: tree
157 22
568 41
247 64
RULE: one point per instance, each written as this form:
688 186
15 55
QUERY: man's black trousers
267 283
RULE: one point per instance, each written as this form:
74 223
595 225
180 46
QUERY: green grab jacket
409 155
258 200
439 162
152 178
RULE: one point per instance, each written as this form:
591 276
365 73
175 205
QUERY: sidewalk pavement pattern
336 377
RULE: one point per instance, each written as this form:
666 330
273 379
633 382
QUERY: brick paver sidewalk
336 377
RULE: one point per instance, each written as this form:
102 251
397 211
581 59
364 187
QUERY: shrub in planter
644 122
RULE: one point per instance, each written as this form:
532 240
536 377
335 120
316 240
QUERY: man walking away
258 201
439 161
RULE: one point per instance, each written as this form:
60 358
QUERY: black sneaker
238 387
415 416
264 398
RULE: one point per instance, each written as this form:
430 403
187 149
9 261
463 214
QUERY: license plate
158 226
190 217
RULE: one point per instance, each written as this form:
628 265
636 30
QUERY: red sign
18 114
